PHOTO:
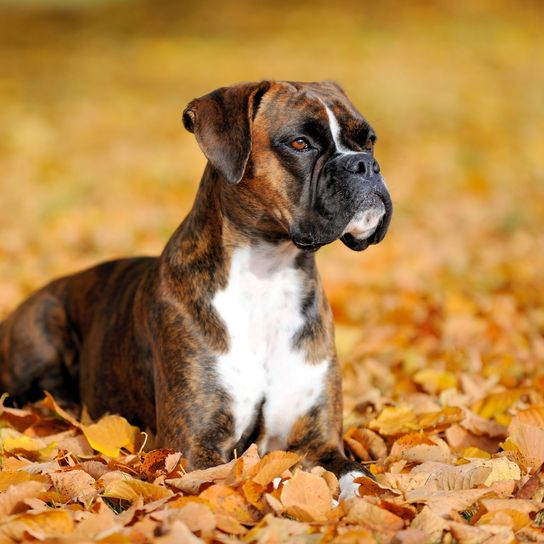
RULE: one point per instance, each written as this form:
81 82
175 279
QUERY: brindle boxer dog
227 337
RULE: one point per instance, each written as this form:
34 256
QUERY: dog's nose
361 163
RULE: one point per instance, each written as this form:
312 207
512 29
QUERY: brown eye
300 144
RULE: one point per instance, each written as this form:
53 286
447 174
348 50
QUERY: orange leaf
272 465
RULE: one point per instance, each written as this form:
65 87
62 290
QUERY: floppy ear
221 122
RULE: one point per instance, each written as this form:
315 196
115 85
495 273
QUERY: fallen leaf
306 497
74 485
272 465
131 490
110 434
11 500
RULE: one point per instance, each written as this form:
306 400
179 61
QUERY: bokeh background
95 164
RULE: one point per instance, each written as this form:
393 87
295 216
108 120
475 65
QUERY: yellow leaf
111 434
130 490
434 381
12 477
495 405
14 441
473 452
395 420
40 525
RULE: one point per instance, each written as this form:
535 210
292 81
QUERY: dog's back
41 341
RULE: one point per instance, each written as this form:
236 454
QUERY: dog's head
301 157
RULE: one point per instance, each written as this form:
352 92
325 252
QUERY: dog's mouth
366 227
307 245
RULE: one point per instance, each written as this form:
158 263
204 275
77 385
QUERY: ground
439 328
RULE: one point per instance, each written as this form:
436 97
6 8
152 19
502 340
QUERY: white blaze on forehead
336 131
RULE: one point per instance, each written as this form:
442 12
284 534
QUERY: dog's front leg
192 411
318 437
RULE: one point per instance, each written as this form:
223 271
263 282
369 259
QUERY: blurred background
95 164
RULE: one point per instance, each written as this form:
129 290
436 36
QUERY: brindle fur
140 336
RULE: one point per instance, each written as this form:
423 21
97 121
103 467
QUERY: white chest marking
261 310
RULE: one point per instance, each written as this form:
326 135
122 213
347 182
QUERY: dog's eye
300 144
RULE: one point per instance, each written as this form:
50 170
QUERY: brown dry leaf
74 485
410 536
178 533
101 519
197 516
191 482
229 525
272 465
418 448
366 444
15 417
51 403
154 463
482 426
131 490
430 523
228 502
110 434
459 438
11 500
330 479
527 432
381 522
513 518
306 497
369 487
443 503
477 472
468 534
78 445
404 482
520 505
273 529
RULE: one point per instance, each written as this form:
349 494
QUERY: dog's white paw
348 488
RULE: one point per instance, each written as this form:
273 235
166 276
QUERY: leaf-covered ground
439 328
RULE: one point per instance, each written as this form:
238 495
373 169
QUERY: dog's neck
219 224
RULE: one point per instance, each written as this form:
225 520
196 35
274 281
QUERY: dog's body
226 338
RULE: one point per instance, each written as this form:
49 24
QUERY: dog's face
302 155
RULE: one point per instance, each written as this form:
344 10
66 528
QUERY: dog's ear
221 122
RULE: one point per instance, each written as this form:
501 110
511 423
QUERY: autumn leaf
40 525
110 434
527 432
306 497
272 465
131 490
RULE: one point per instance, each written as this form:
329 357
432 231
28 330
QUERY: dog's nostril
376 167
361 168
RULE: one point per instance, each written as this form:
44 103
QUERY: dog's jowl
227 337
